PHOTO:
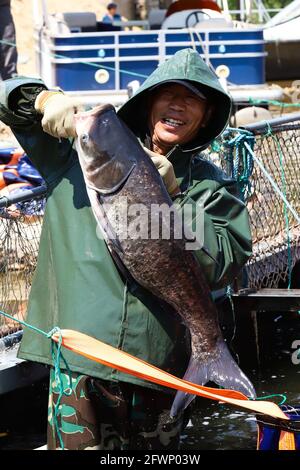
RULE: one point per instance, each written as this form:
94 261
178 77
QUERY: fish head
99 143
90 129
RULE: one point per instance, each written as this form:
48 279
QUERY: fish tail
222 370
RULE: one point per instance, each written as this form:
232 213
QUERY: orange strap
109 356
287 441
7 169
18 153
11 187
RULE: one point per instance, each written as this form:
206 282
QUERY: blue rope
22 322
246 138
241 173
57 357
271 396
273 183
243 143
274 103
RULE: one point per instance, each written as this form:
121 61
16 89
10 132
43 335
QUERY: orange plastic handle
108 355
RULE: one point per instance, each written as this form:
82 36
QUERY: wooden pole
256 335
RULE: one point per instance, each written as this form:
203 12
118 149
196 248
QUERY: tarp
17 174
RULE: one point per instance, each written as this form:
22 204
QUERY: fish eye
85 138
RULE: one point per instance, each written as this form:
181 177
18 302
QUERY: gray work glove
58 113
166 171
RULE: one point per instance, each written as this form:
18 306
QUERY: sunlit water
223 427
219 426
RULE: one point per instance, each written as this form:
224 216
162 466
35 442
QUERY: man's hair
110 6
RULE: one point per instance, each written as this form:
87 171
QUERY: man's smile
176 115
171 122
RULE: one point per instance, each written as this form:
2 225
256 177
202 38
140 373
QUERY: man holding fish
149 298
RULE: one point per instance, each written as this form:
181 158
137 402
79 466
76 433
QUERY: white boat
14 372
282 35
77 53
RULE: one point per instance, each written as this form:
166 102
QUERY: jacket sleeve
49 155
223 228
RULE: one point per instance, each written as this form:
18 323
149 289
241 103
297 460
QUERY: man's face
112 11
176 114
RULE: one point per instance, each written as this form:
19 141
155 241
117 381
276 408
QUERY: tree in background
142 7
268 4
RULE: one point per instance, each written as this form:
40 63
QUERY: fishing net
275 230
20 229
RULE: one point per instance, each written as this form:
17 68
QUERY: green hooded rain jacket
76 284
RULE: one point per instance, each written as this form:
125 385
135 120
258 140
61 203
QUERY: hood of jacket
186 64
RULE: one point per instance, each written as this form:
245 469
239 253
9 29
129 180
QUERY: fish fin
119 173
222 370
195 373
107 230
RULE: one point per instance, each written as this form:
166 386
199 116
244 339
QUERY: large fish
119 174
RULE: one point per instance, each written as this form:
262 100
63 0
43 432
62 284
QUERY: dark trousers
8 50
102 415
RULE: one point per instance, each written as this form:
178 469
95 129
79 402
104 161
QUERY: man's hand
58 113
166 171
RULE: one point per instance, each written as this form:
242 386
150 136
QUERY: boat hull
109 61
281 61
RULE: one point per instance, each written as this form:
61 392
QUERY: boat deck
16 373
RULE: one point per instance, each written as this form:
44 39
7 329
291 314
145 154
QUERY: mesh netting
275 231
19 243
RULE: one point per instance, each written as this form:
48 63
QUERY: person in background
111 14
8 50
